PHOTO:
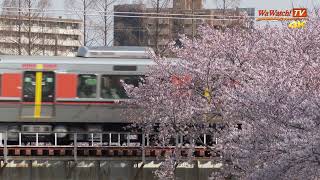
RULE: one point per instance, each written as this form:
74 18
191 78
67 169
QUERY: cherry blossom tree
277 107
263 83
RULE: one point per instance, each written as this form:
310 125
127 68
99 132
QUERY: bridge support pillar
5 148
98 170
196 167
71 170
143 148
30 169
106 171
75 150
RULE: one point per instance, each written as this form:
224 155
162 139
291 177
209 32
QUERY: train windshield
111 87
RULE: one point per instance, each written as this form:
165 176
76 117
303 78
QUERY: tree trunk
192 19
56 45
157 28
84 22
43 40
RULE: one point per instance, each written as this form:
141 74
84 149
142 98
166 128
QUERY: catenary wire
116 12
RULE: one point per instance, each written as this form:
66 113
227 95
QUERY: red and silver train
68 94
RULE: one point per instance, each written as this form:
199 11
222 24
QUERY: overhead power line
66 11
151 17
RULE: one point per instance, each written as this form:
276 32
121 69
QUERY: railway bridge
132 156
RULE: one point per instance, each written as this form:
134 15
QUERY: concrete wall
89 170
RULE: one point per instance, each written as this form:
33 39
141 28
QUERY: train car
65 94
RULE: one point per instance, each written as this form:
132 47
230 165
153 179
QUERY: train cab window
47 85
87 86
111 87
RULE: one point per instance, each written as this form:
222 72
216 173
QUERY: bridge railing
15 143
94 139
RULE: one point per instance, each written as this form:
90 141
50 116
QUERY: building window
75 37
111 87
87 86
74 26
74 49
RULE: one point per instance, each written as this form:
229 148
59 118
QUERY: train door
38 93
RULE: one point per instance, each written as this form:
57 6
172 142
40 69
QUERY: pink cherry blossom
263 83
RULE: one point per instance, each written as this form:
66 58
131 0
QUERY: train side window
0 85
111 87
87 86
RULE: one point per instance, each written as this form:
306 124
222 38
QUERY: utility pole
19 28
105 22
56 40
29 28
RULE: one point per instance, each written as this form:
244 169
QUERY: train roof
116 60
116 52
12 59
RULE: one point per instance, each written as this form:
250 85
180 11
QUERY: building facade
39 36
129 31
187 4
158 32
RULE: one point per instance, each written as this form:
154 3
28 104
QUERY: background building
129 31
158 32
39 35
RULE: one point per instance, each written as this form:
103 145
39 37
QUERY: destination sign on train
39 66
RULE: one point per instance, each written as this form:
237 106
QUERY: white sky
271 4
258 4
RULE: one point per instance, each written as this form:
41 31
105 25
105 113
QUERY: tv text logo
299 12
282 15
